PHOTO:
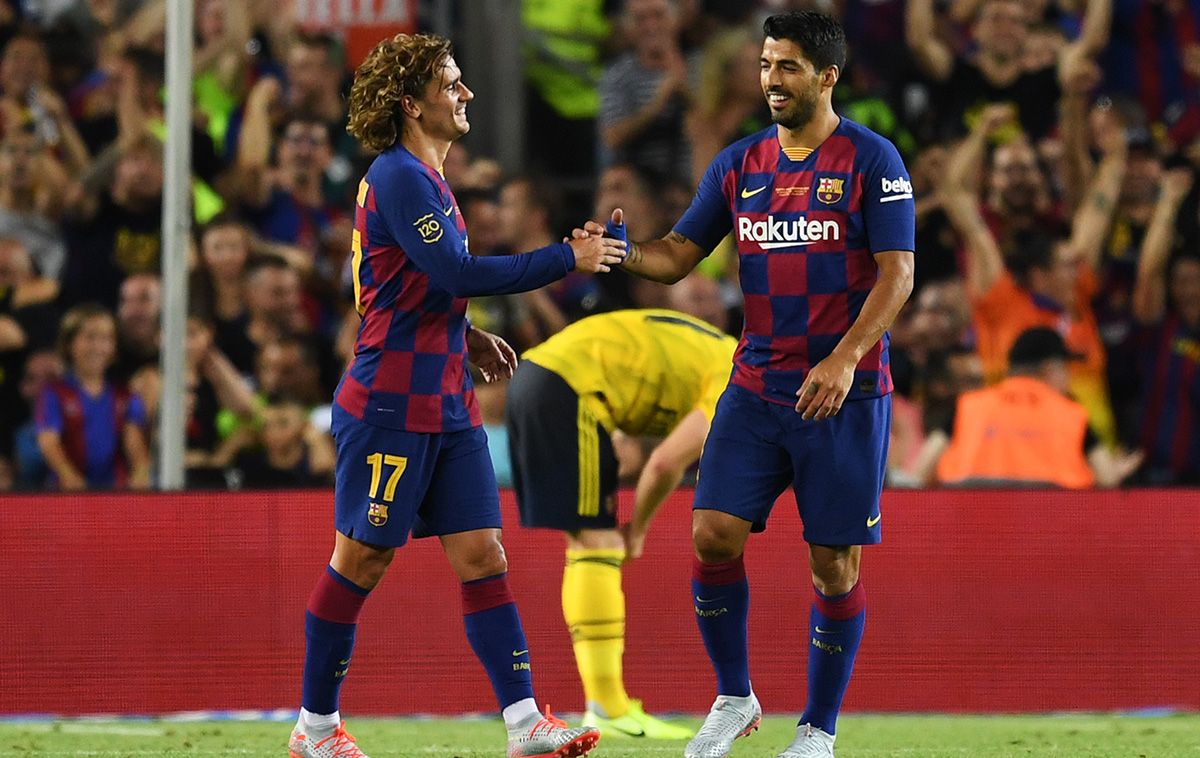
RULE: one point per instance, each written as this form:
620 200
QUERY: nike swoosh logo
449 210
519 653
819 630
708 600
751 193
873 521
343 663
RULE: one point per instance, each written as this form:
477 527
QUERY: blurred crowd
1051 143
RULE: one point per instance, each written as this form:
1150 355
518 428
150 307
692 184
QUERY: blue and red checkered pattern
806 233
412 274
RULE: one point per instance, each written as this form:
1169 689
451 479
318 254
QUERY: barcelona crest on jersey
829 190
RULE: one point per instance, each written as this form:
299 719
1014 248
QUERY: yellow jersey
641 371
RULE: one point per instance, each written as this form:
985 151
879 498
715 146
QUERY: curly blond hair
402 65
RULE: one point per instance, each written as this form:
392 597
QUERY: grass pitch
1069 736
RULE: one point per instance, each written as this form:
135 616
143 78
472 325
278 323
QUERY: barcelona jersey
412 274
806 225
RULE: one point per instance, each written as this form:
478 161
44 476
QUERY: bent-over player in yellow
649 373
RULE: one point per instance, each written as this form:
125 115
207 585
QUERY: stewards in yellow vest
1026 431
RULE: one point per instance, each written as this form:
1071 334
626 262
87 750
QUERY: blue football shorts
836 466
391 483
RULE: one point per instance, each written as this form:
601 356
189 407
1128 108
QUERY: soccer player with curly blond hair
412 456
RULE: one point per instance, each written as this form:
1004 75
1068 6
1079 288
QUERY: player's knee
715 543
834 569
487 560
361 564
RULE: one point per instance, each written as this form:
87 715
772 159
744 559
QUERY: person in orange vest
1026 431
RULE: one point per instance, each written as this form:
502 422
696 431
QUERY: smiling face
792 85
443 106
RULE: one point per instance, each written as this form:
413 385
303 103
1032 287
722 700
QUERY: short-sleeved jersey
806 229
90 426
412 274
642 371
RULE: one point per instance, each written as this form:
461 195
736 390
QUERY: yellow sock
594 609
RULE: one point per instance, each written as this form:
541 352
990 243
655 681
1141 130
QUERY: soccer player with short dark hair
822 212
411 454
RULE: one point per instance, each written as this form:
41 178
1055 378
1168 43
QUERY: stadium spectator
1166 303
1152 58
728 103
119 230
217 287
700 296
1043 281
28 320
284 197
220 62
293 455
646 93
42 367
29 98
314 71
271 291
623 185
139 111
1025 431
508 316
562 70
996 72
529 215
213 387
91 431
33 190
139 308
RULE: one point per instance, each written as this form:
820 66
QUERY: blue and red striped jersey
412 274
90 427
1170 354
806 227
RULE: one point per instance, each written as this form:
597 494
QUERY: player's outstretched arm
662 474
420 222
664 260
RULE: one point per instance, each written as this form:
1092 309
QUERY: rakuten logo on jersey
775 233
896 189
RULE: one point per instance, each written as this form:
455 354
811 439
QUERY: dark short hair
220 221
1029 251
325 42
820 37
541 192
263 262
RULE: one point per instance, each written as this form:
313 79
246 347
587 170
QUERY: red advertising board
977 601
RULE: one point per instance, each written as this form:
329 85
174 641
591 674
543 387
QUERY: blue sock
721 596
329 627
495 633
835 631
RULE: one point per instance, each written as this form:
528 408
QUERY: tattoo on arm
634 253
1100 201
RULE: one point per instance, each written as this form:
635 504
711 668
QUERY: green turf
861 736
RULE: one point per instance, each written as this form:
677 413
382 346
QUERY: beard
802 111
